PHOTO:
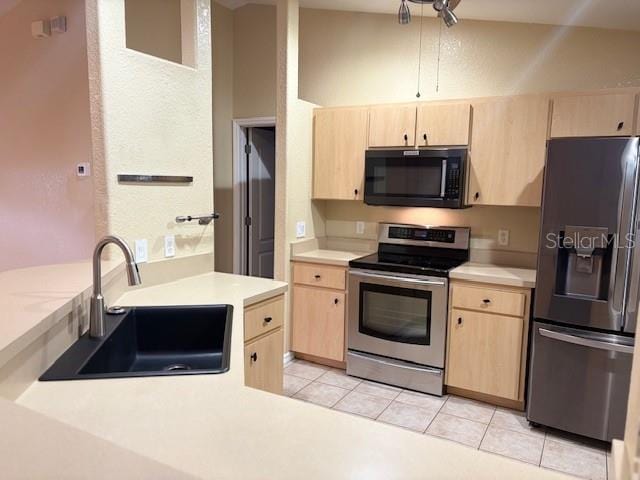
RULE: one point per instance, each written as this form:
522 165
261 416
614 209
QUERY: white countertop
328 257
34 299
212 426
495 274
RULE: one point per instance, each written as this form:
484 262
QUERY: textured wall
46 212
150 116
254 92
222 134
357 58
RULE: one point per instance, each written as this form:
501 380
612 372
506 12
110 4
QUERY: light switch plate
142 251
83 169
360 228
301 229
169 246
503 238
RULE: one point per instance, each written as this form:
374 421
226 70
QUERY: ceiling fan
443 7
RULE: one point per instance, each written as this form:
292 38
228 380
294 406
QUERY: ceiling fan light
404 15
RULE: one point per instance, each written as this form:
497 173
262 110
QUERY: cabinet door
318 322
507 152
392 126
340 141
485 353
263 361
446 124
593 116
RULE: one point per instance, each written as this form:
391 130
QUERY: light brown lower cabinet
318 312
263 362
264 345
486 348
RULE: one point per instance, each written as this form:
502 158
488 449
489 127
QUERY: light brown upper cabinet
340 140
444 124
593 115
507 151
392 126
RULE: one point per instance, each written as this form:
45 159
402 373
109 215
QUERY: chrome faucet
97 327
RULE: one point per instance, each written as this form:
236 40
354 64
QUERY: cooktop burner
418 250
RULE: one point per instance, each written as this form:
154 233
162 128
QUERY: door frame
240 180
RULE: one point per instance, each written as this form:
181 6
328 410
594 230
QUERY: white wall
46 211
150 116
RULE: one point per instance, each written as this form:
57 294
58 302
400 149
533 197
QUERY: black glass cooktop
412 264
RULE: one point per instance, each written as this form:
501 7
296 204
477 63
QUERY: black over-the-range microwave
430 177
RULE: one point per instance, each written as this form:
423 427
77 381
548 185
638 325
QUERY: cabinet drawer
319 275
263 362
488 300
263 317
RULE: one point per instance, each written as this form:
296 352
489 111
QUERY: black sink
150 341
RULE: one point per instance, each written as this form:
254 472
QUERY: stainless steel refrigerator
587 286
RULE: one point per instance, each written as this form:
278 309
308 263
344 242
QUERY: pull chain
420 49
438 67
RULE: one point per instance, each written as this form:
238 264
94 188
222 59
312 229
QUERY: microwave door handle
443 180
585 342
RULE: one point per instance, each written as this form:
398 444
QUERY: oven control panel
423 234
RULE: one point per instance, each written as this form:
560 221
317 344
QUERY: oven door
401 317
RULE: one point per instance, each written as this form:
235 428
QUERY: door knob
254 356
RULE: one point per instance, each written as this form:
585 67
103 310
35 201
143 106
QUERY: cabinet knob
425 137
336 301
267 319
476 196
459 320
486 301
620 126
406 137
254 356
355 191
317 277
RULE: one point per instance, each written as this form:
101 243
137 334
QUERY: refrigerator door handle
586 342
624 240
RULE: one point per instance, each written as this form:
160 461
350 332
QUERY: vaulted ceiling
618 14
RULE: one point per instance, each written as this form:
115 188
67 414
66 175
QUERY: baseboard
287 357
483 397
322 361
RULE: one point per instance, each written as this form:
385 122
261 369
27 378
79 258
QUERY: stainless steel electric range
397 308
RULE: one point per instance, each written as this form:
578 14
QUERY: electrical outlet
360 228
301 229
503 238
142 251
169 246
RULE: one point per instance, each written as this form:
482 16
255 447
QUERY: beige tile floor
475 424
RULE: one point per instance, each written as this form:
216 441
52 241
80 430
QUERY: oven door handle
585 342
399 279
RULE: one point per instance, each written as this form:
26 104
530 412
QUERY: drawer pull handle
459 320
425 137
335 301
486 301
406 137
317 277
254 357
356 192
267 319
620 126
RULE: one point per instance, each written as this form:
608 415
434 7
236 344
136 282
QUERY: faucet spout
97 326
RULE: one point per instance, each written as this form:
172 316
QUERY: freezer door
590 194
579 381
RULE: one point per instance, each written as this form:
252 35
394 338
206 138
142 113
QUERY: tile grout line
544 444
437 413
487 428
